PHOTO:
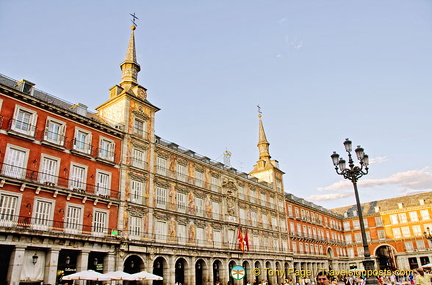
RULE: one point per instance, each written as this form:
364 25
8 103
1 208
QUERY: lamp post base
369 266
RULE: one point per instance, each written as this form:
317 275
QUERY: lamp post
354 173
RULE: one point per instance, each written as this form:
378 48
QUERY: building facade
101 191
394 229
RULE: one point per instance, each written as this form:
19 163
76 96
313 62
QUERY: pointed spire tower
129 66
265 169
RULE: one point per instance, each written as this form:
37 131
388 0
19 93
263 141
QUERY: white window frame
10 166
214 181
199 178
402 218
181 234
103 183
381 234
135 226
77 183
43 221
181 202
136 191
10 204
217 238
216 210
425 214
414 216
417 230
200 236
181 172
137 130
138 157
24 127
84 146
161 165
49 176
397 233
106 148
58 136
199 206
161 231
73 224
161 197
100 227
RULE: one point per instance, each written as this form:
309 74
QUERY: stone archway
180 267
217 271
159 266
200 272
385 256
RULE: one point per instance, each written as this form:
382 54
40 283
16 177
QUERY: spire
129 66
263 144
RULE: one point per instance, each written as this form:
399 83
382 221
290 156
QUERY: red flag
240 240
246 240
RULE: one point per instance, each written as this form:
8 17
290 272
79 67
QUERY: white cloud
283 20
378 159
408 180
326 197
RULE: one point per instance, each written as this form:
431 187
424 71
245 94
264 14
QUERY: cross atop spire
133 19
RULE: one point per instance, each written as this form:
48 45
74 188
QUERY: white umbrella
87 275
147 275
120 275
427 265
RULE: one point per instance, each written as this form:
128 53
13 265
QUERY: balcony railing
105 154
22 127
50 180
54 138
82 147
21 223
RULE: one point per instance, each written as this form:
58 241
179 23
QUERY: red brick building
59 185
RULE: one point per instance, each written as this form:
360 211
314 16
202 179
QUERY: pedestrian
422 278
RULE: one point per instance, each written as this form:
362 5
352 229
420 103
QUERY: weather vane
259 111
133 19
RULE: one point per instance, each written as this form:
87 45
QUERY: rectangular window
217 237
103 183
215 183
402 217
348 238
356 224
417 230
378 221
82 141
48 172
252 194
15 162
394 219
136 191
161 197
77 177
358 237
138 158
406 232
139 127
294 246
200 236
181 202
254 218
106 149
290 211
360 251
42 217
181 234
54 131
135 226
347 226
181 172
242 215
263 198
216 210
8 209
199 206
420 244
409 246
24 121
397 233
351 252
381 234
199 178
413 216
424 214
100 223
161 165
73 219
161 231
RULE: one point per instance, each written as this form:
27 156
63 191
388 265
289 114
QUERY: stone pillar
169 270
15 266
51 266
208 272
190 277
82 261
110 264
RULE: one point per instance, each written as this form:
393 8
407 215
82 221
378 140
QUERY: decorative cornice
140 114
162 183
137 177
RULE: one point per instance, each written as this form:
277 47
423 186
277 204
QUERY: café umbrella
147 276
87 275
120 275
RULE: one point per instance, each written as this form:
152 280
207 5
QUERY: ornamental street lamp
428 234
354 173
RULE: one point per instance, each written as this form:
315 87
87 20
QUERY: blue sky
322 71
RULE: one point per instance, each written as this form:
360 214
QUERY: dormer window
400 205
